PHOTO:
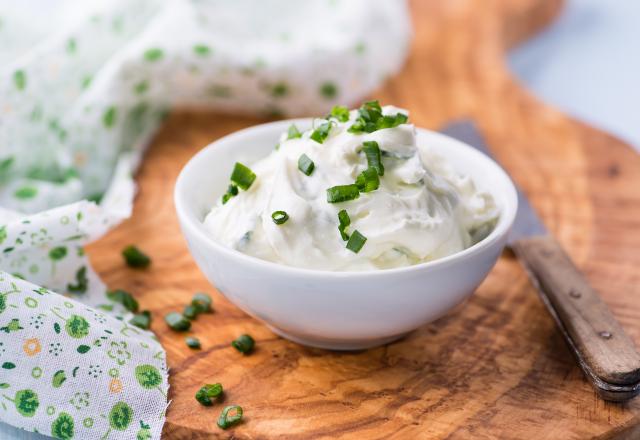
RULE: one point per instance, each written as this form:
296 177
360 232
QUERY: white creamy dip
423 210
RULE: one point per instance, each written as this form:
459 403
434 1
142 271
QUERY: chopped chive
293 132
374 159
192 342
201 50
225 420
342 193
368 180
177 322
340 112
232 191
25 192
209 392
153 54
135 257
125 298
279 90
19 79
345 221
242 176
202 302
328 90
244 344
141 320
305 164
321 133
279 217
190 312
370 119
356 241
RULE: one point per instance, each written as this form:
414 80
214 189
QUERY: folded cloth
83 86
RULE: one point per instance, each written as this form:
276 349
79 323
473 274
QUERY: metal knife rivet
574 294
605 335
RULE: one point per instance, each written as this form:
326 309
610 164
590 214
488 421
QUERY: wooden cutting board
495 368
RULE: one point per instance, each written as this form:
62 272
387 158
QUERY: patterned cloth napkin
83 86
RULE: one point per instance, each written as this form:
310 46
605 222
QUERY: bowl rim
189 220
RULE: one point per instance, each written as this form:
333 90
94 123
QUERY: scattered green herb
192 342
153 54
177 322
244 344
142 320
342 193
329 90
368 180
341 113
356 241
374 160
279 90
134 257
232 191
370 119
202 302
321 133
305 164
125 298
226 421
242 176
279 217
208 393
345 221
293 132
190 312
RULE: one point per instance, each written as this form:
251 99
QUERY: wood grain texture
600 341
495 368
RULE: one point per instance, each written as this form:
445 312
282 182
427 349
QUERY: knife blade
605 353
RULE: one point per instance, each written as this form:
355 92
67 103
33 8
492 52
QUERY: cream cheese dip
353 193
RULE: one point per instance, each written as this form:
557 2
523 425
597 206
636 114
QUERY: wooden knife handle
596 335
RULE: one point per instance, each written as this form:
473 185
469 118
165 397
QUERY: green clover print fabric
83 87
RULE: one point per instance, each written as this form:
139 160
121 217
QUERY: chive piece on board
342 193
244 344
135 257
192 342
209 392
305 164
141 320
124 298
225 420
202 302
190 312
177 322
242 176
279 217
356 241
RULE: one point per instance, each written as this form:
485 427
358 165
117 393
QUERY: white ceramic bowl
336 310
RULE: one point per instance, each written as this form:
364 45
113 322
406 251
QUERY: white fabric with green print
83 86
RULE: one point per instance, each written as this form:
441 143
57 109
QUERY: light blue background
587 64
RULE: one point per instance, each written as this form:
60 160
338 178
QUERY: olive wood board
494 368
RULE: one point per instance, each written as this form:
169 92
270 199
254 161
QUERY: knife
605 353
